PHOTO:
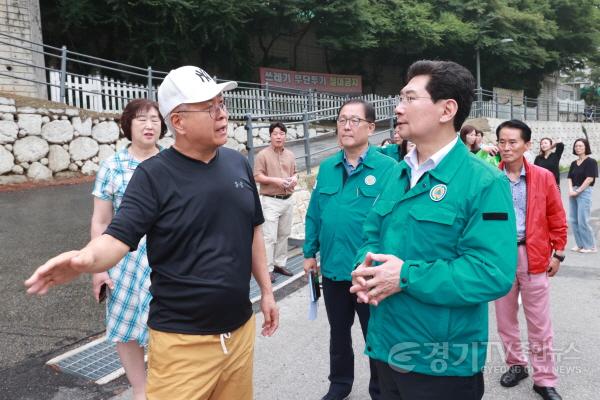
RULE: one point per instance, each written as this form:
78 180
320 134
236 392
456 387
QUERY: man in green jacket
348 184
439 245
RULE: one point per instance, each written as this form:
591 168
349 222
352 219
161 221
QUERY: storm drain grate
98 360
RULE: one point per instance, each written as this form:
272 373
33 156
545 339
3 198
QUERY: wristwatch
559 258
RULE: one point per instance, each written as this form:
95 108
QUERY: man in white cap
198 205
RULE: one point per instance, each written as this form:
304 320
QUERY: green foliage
359 36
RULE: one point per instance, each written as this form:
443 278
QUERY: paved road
37 224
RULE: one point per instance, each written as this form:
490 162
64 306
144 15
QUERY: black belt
279 196
520 242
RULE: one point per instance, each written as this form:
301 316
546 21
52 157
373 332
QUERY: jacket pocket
436 228
433 213
326 193
383 207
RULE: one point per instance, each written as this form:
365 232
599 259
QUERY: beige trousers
278 215
201 367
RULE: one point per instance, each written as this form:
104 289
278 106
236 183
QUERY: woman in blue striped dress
128 282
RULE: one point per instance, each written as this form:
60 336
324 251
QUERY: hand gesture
374 284
57 271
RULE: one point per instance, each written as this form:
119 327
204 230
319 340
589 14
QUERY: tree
161 33
358 36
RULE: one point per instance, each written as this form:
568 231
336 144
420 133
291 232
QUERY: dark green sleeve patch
497 216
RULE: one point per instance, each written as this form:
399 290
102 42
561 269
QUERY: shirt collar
523 172
412 158
448 165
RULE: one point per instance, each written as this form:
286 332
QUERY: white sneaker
594 250
576 249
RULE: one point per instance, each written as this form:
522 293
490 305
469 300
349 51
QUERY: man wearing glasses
348 185
439 245
198 205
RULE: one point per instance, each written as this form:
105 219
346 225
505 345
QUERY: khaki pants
201 367
278 215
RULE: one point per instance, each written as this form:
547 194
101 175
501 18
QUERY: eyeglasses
143 119
354 121
213 110
409 99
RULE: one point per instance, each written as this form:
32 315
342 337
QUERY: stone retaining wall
42 143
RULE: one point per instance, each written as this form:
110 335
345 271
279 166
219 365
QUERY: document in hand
313 283
314 294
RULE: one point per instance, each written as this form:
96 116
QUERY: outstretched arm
99 255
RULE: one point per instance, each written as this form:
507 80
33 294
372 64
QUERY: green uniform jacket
391 150
336 212
456 232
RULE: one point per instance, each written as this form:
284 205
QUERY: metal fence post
511 107
306 141
391 101
558 111
150 89
495 103
524 108
63 74
267 98
547 110
537 109
250 140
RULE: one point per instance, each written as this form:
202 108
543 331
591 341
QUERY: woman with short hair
126 285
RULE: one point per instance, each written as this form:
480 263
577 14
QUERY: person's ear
449 110
177 122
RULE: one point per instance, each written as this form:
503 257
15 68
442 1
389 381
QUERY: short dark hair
368 108
465 130
588 149
135 108
277 124
516 124
447 80
479 132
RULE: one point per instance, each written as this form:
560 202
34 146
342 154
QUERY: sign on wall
334 83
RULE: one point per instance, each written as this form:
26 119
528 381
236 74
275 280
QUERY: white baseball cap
188 84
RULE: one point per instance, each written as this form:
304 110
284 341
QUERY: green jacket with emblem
337 210
391 150
455 230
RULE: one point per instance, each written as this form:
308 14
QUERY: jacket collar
368 161
449 165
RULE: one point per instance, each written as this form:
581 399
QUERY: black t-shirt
199 219
587 169
552 162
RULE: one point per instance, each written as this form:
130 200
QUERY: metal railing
384 109
504 106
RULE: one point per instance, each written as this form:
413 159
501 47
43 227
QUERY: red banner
334 83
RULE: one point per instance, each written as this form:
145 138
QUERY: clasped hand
373 284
